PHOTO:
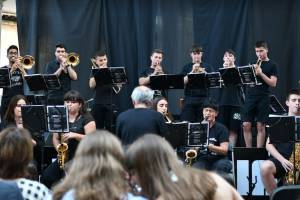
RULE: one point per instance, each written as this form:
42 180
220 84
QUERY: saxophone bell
190 155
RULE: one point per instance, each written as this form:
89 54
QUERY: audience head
75 102
97 170
16 151
14 107
142 95
293 101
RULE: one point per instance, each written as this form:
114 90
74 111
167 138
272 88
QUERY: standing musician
230 102
257 97
216 156
155 69
17 73
194 98
278 163
104 99
64 72
80 124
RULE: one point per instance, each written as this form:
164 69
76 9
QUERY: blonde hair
161 175
97 170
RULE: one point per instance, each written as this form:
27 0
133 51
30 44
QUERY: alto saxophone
62 154
290 177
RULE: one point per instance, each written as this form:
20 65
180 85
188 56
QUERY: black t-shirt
104 94
218 134
77 127
269 68
231 96
64 79
134 123
194 92
16 86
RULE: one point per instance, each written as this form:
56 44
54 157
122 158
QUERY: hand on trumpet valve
197 68
158 70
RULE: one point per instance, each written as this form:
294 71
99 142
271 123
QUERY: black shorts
280 171
256 108
230 116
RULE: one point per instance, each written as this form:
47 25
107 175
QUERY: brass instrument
190 155
292 177
94 63
27 61
73 59
62 154
198 69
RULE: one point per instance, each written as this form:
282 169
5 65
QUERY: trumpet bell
73 59
27 62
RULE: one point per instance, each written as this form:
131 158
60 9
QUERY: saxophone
290 178
62 154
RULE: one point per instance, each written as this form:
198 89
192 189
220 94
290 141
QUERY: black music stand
42 82
57 118
5 81
281 129
248 75
230 76
176 133
198 135
213 80
247 156
275 106
167 81
204 80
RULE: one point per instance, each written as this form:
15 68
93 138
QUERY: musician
105 96
194 98
216 156
230 102
257 97
278 163
64 72
160 104
140 120
17 73
80 124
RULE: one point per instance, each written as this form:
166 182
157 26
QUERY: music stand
176 133
213 80
196 81
282 129
167 81
230 76
198 135
5 81
248 75
275 105
118 75
58 120
102 76
38 82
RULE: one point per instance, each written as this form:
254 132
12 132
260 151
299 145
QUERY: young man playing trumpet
104 98
257 96
194 98
64 72
16 76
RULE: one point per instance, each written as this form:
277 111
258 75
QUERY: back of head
154 160
97 170
142 95
16 151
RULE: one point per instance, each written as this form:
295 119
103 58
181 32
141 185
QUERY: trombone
73 59
27 61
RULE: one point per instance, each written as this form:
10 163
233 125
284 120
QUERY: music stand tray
230 76
102 76
197 81
176 133
213 80
198 134
38 82
34 118
58 120
52 81
5 81
118 75
167 81
248 75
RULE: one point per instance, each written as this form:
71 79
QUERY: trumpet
198 69
93 60
73 59
27 61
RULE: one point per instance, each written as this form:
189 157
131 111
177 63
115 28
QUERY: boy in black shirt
257 97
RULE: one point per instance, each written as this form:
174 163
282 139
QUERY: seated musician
160 104
278 163
215 158
80 124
